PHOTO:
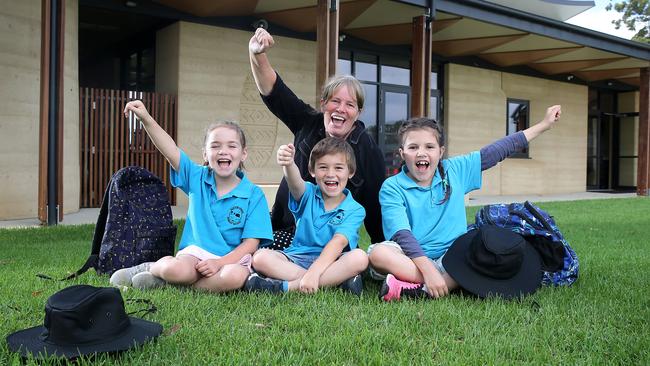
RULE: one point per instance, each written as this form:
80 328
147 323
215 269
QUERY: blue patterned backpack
134 225
559 260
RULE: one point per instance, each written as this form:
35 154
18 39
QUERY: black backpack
134 225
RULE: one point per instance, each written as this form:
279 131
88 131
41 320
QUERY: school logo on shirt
235 215
338 218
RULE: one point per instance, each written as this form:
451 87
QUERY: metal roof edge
527 22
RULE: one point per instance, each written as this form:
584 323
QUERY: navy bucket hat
83 320
493 261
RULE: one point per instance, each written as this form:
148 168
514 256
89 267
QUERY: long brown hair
420 123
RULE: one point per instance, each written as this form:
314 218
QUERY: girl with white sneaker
227 217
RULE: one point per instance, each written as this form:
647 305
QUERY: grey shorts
380 276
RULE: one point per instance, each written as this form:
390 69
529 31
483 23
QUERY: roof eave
531 23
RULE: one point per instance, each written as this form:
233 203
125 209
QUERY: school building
485 69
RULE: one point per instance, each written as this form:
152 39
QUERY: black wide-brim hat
82 320
492 261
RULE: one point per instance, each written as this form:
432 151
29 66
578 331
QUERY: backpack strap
97 237
97 241
539 216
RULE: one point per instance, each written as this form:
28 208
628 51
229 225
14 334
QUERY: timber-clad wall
111 141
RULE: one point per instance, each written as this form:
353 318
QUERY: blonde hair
228 124
350 82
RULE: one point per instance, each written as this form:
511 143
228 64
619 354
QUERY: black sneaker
353 285
255 282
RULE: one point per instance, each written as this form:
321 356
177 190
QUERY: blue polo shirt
218 224
315 227
407 206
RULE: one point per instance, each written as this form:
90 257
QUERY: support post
421 67
643 160
327 29
50 185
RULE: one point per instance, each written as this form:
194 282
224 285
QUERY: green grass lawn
602 319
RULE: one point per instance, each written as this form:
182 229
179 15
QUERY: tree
633 13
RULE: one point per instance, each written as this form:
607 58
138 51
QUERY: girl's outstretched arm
499 150
164 143
553 114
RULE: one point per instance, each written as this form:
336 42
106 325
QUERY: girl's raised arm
164 143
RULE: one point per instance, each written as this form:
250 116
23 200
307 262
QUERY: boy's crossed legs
276 265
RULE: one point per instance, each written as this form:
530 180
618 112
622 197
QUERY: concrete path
89 215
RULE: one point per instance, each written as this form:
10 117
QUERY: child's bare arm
209 267
159 137
330 253
291 172
436 285
553 114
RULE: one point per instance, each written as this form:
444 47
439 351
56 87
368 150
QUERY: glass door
394 108
599 148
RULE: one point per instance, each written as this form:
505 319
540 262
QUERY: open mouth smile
422 165
224 163
337 120
331 184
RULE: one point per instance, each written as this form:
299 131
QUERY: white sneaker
123 277
145 281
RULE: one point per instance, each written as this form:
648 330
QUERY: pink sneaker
393 289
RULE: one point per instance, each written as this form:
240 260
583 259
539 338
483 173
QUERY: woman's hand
260 42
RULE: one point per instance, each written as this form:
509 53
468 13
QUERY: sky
599 19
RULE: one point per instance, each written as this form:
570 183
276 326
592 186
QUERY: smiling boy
324 250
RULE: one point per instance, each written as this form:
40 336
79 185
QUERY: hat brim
527 281
28 341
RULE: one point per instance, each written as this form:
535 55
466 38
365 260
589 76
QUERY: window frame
525 154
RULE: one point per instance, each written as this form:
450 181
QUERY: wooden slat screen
110 141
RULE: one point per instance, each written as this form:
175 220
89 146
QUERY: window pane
434 80
369 113
433 108
395 75
627 168
365 67
396 111
517 116
343 67
592 137
592 173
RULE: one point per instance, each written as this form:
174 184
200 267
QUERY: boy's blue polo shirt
315 227
218 224
407 206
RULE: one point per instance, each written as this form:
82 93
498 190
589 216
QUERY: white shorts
202 254
380 276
